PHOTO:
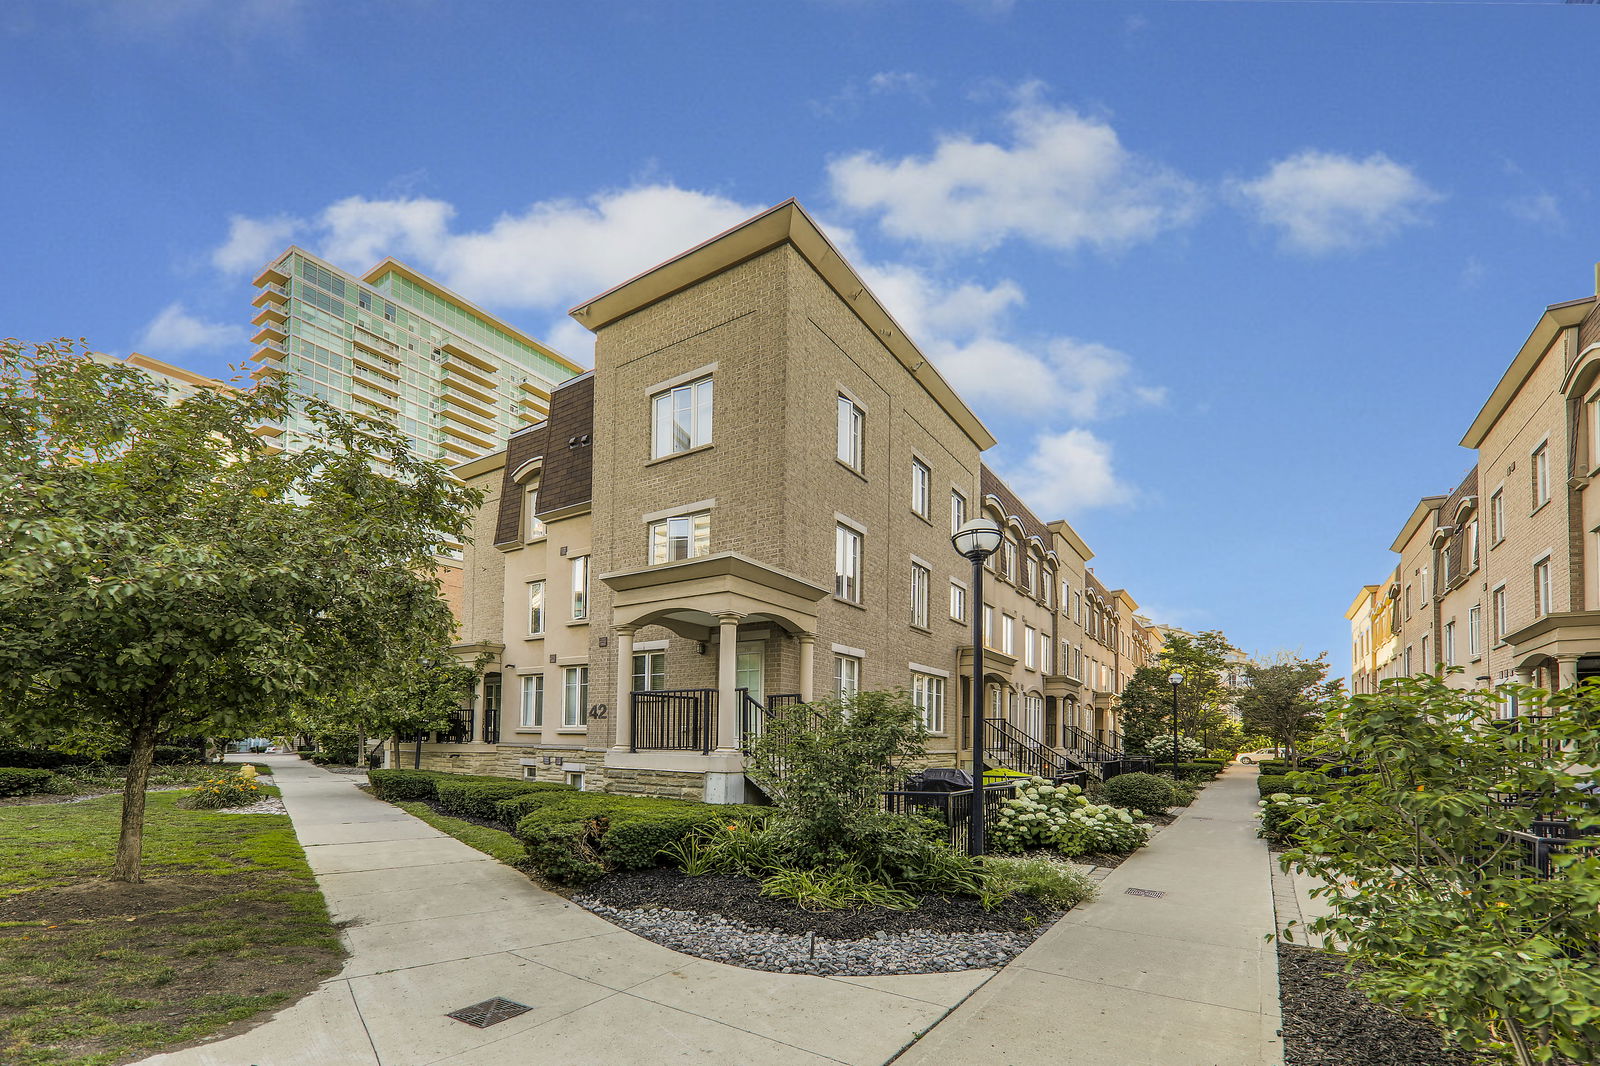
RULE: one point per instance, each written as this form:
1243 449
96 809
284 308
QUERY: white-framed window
580 588
1406 660
575 697
1541 475
1427 663
958 602
649 671
1425 586
846 676
1593 408
988 626
1541 588
1498 604
681 418
530 510
1046 654
1472 545
532 701
1008 559
847 563
921 580
1497 516
1030 576
680 537
1449 641
927 692
1029 637
1077 606
535 608
852 434
1047 588
958 510
921 488
1474 630
1008 634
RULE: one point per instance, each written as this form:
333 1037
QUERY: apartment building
396 346
748 503
1501 576
178 382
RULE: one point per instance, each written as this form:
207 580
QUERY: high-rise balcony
473 386
469 372
272 331
270 313
460 417
452 393
271 293
461 353
270 349
481 442
272 275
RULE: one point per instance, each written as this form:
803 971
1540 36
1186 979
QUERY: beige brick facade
1493 578
784 331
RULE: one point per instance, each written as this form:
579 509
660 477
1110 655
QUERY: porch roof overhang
992 660
689 595
1062 685
1568 633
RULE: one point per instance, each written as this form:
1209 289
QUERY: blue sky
1244 270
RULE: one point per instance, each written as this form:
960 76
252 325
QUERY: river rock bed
726 919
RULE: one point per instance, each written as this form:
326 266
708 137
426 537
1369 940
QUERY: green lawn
229 923
495 843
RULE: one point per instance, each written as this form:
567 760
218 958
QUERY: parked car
1264 755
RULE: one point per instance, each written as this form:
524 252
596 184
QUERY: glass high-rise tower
399 347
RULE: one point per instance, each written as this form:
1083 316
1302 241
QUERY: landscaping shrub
1193 771
36 759
1282 817
1138 792
577 837
1274 766
1046 881
24 781
422 784
842 888
1059 817
1159 748
476 798
222 790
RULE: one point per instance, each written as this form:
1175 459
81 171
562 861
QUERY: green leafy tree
1286 700
1432 897
164 573
1145 704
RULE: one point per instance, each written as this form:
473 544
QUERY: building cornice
1556 318
787 223
1425 506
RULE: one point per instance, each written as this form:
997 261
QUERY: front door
750 673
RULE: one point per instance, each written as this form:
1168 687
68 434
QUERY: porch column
623 718
808 666
1566 671
728 739
1525 675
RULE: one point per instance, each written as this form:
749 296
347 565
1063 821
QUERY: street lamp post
1175 680
977 540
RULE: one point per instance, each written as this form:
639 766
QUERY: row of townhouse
749 502
1500 577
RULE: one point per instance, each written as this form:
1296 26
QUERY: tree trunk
130 844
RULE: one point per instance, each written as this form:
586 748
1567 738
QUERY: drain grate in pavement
1148 893
489 1012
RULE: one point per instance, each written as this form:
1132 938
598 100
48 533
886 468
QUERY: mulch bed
1327 1022
740 898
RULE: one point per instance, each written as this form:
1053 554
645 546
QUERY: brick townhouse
1501 576
747 503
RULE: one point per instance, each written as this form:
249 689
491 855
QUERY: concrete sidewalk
1183 978
435 926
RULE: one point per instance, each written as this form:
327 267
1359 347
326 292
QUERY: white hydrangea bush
1042 815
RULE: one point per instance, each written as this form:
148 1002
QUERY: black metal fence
682 719
457 731
952 810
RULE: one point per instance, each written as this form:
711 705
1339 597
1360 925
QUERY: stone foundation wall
672 784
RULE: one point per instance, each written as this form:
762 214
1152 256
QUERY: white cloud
175 330
357 232
252 241
1063 181
1541 209
1323 201
1068 473
889 82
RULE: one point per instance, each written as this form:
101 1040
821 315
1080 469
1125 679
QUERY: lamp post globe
1175 680
977 540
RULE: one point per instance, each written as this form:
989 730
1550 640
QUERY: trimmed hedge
578 837
420 784
1190 771
24 780
41 759
1267 784
1139 792
481 799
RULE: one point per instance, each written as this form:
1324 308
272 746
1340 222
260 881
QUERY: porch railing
682 719
458 730
1006 746
1109 761
952 810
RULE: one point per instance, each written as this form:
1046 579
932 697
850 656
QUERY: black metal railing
1106 759
458 729
682 719
952 810
1005 746
491 726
